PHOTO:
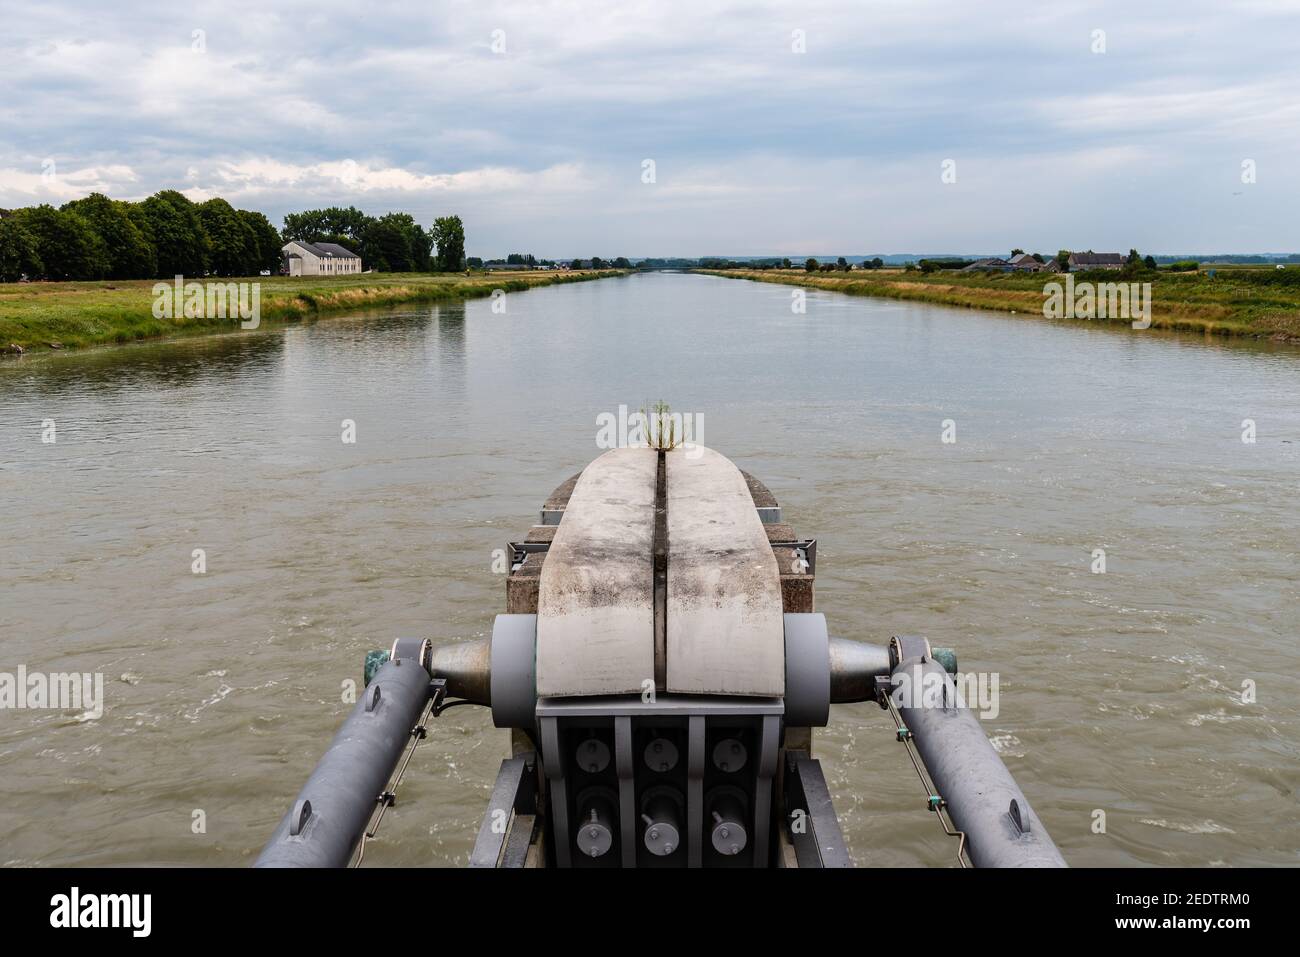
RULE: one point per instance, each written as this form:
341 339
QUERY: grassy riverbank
1263 303
73 314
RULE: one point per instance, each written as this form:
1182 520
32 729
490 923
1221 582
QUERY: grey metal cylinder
331 811
855 665
662 817
854 668
513 682
596 823
660 755
807 671
983 798
592 755
729 755
467 666
727 830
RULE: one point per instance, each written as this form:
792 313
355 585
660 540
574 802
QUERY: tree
422 249
785 263
598 263
622 263
1150 263
19 255
575 264
335 224
877 263
1063 260
267 239
810 265
130 254
172 225
1038 257
1133 264
67 245
385 246
305 227
842 264
232 245
449 236
1017 252
396 243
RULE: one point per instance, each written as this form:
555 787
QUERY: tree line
809 265
169 234
394 242
165 235
596 262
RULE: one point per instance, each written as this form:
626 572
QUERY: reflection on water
1120 692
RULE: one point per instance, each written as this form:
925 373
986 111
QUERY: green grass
78 314
1259 302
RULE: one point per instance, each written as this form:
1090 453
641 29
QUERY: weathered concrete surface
595 605
522 585
797 588
760 493
725 630
779 531
563 492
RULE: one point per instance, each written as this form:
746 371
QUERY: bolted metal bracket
882 691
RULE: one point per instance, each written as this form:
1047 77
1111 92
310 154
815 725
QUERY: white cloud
51 183
253 176
758 148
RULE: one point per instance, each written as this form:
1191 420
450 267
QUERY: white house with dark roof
319 259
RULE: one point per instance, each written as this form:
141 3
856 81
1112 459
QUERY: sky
672 128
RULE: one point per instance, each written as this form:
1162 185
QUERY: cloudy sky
774 128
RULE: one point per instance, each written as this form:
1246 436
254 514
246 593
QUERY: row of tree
840 265
514 259
810 264
165 235
394 242
595 262
168 235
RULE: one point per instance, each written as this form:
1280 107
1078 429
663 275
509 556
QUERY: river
1126 692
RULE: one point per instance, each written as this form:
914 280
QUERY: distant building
319 259
1024 262
1096 261
989 265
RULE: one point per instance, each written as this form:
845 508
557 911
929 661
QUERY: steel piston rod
979 792
331 811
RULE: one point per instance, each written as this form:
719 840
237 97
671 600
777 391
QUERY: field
42 316
1258 302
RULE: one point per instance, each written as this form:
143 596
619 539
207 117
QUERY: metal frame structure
660 777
